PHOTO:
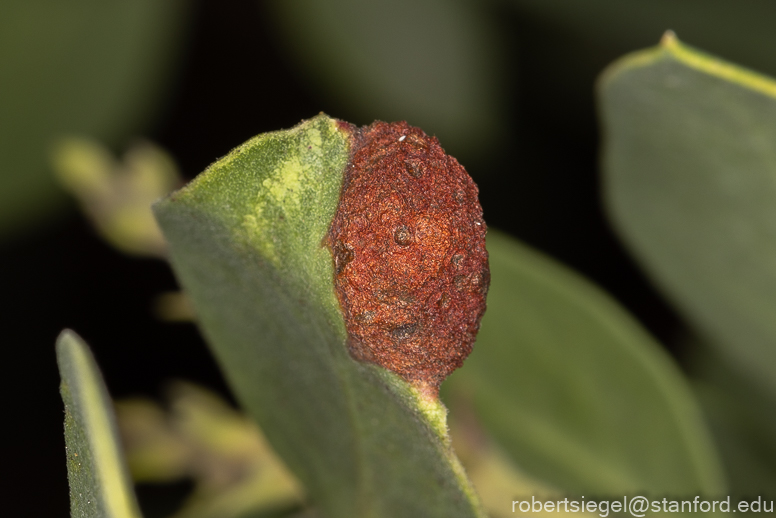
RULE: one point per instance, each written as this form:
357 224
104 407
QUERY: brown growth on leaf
408 241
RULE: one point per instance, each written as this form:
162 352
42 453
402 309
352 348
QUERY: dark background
541 186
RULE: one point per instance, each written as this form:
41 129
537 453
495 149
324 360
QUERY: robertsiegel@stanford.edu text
639 506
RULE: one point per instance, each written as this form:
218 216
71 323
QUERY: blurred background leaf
548 189
689 165
741 416
100 486
235 471
437 64
493 472
87 67
117 196
575 391
741 30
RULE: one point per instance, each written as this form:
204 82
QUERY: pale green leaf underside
690 172
100 486
576 391
246 241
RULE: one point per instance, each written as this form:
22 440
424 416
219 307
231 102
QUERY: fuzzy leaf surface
100 485
247 243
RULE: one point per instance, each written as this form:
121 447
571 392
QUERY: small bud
117 196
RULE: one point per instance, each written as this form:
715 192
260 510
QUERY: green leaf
246 241
435 63
80 67
690 169
576 391
742 420
100 486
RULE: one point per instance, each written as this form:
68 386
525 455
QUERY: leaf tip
67 342
669 40
66 335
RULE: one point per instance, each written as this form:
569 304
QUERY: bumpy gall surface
408 242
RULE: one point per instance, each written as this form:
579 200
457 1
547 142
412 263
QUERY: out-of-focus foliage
491 470
174 306
100 486
741 30
689 162
434 63
235 471
690 170
576 392
743 420
117 196
83 66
